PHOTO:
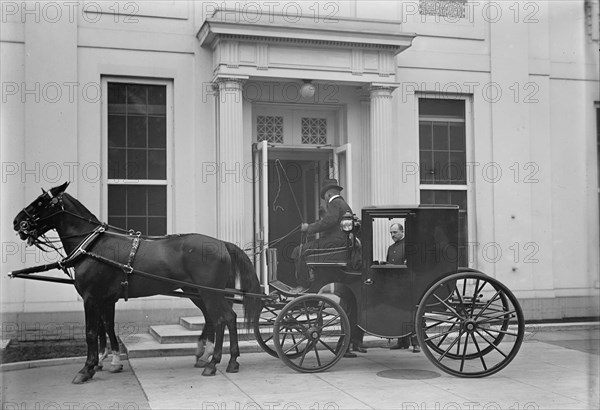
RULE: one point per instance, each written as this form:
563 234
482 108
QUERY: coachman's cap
328 184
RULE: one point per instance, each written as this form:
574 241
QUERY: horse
103 258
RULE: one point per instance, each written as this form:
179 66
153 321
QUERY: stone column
382 159
230 157
365 148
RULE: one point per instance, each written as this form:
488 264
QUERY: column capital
381 89
229 80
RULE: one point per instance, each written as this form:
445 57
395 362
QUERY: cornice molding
275 28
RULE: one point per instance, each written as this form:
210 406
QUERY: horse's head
39 216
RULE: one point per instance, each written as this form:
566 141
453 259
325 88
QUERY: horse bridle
30 226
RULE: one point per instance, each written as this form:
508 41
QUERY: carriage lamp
347 222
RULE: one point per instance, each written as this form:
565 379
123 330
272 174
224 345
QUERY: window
137 129
443 160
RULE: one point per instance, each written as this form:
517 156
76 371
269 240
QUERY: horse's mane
80 209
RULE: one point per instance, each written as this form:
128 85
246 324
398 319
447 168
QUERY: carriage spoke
483 309
450 308
444 334
327 346
317 354
492 344
451 346
479 352
464 353
497 316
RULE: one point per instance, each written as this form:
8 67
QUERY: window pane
136 132
443 108
116 163
116 98
157 164
441 166
157 200
136 99
116 131
157 99
137 164
440 136
136 200
157 226
139 207
457 137
138 223
426 167
425 135
117 197
457 168
118 221
157 132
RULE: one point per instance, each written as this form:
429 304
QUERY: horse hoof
233 368
99 368
115 368
81 378
209 371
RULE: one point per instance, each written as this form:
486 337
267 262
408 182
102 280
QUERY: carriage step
145 345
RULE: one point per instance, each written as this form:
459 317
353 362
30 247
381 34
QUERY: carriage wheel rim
324 328
473 325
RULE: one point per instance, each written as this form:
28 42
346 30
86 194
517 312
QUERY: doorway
293 190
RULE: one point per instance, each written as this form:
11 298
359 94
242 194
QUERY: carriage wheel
311 333
265 324
470 325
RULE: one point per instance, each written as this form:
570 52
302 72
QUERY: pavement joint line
344 392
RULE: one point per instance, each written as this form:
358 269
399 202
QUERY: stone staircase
180 339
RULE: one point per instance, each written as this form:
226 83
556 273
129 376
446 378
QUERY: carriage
467 324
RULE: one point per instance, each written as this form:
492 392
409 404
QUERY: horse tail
242 267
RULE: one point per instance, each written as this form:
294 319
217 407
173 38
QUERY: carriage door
387 290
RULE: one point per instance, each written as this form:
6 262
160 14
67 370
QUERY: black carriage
467 323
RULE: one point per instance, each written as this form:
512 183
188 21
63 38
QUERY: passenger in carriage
329 229
396 255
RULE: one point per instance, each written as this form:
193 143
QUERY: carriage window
389 239
137 157
443 160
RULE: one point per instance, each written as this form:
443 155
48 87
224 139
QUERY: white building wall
543 126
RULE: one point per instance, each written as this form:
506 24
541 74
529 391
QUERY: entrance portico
352 54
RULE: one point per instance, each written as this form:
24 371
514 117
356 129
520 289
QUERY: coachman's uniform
331 236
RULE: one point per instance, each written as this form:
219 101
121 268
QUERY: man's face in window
397 233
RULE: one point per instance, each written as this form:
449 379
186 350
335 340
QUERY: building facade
224 117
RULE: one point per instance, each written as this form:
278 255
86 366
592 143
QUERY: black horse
100 252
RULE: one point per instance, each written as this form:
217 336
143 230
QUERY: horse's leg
234 348
211 367
103 349
92 317
108 316
206 341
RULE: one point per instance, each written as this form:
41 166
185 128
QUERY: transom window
269 128
294 127
137 156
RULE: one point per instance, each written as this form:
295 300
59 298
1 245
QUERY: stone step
170 334
145 345
197 322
